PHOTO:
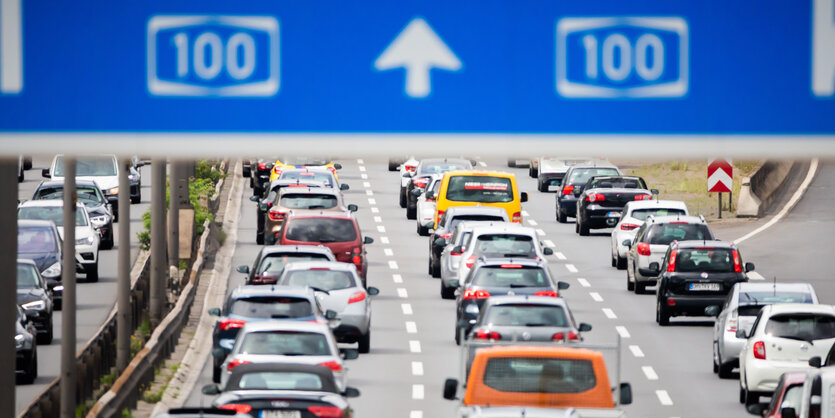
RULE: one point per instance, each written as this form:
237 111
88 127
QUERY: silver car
338 288
450 259
739 312
527 318
632 217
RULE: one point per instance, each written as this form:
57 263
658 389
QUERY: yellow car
302 162
480 188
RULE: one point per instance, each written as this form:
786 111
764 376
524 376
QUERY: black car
39 241
135 179
34 297
446 226
500 276
266 197
283 390
572 186
26 347
89 193
259 174
603 198
695 275
423 175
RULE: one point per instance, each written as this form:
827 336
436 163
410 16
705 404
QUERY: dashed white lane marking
411 327
524 213
596 296
384 240
393 265
372 201
583 282
571 268
369 192
540 232
378 219
388 252
397 278
415 414
417 368
406 308
663 397
414 346
560 255
624 333
532 222
381 228
549 243
360 161
609 313
366 184
636 351
753 275
374 209
362 168
482 163
649 372
417 391
364 176
402 292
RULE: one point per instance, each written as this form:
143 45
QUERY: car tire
741 393
436 269
411 212
662 317
541 186
724 370
92 271
32 372
107 244
393 165
259 239
582 229
561 218
457 336
751 398
533 171
27 163
136 199
511 163
20 176
447 292
630 285
46 338
364 346
422 231
215 371
640 288
402 197
620 262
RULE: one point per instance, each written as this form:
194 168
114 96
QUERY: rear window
304 161
664 234
526 315
50 213
712 260
486 189
539 375
88 195
287 343
320 279
308 201
27 277
582 175
36 240
461 218
643 214
88 166
506 245
769 297
308 175
437 168
618 183
278 381
273 265
271 307
321 230
804 327
490 276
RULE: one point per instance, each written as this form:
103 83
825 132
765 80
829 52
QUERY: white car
783 339
502 240
86 237
102 169
426 205
450 259
632 217
407 170
551 170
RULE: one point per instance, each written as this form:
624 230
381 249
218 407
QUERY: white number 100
620 71
208 53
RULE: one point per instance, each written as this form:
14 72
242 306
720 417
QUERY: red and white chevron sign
720 175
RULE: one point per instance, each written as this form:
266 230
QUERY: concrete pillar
175 169
8 288
68 372
123 316
159 266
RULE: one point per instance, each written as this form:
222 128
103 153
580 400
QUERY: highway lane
95 300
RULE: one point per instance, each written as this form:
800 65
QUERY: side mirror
269 166
330 314
373 291
547 251
562 285
749 267
416 192
523 197
344 186
654 266
45 173
407 175
367 240
740 333
458 249
815 362
139 164
454 283
584 327
218 353
243 269
654 192
253 198
625 393
337 166
450 388
351 392
758 409
788 413
214 312
262 206
440 242
712 310
627 243
349 353
211 390
353 208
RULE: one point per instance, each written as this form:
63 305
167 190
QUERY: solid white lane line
362 168
636 351
609 313
369 192
366 184
663 397
540 232
414 346
583 282
372 201
393 265
649 372
560 255
415 414
524 213
596 296
411 327
402 292
378 219
381 228
388 252
624 333
406 308
384 240
364 176
532 222
482 163
397 278
360 161
417 368
549 243
753 275
571 268
374 209
417 391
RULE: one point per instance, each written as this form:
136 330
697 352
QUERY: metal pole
68 383
8 288
123 329
158 252
720 204
175 169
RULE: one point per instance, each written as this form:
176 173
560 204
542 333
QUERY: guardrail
757 192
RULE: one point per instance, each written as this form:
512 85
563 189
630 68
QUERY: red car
340 232
788 394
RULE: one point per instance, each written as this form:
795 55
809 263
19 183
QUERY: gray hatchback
527 318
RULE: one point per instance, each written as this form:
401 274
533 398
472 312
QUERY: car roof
34 223
766 286
704 243
497 261
318 168
332 214
445 160
26 261
46 203
780 308
286 326
475 210
525 299
470 225
505 227
593 164
278 249
331 265
325 374
246 291
473 172
553 351
308 190
644 204
678 218
60 183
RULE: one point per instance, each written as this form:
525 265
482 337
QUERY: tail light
483 334
440 214
517 218
470 294
228 324
550 293
643 248
325 411
454 253
759 350
560 336
628 227
595 197
235 363
237 407
263 279
262 166
357 258
567 189
671 266
732 322
269 204
420 182
446 235
277 216
357 297
671 302
510 266
737 262
333 365
411 168
643 197
470 261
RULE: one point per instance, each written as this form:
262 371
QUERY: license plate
553 187
281 414
705 286
613 214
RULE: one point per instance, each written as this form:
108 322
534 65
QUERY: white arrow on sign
417 49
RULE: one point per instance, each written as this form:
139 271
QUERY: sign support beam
8 292
158 251
123 283
68 313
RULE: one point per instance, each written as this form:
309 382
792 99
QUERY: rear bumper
689 305
568 206
598 217
763 375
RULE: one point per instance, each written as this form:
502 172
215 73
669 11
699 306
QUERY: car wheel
715 361
725 370
561 218
511 163
661 315
259 239
541 186
402 197
422 231
365 343
216 371
136 199
630 285
582 229
751 397
20 176
46 338
56 304
411 213
532 171
447 292
92 271
31 371
457 336
107 244
436 268
640 288
741 393
620 262
393 165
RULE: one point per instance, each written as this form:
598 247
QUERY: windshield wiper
319 290
792 337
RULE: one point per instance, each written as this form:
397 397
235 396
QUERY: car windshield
767 297
278 381
801 326
88 166
710 260
643 214
50 213
539 375
486 189
326 178
318 278
271 307
27 277
461 218
287 343
35 240
321 230
582 175
308 201
88 195
526 315
664 234
272 265
441 167
617 183
507 245
304 161
511 275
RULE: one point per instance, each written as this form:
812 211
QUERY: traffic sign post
720 179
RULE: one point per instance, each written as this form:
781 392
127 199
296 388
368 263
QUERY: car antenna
774 286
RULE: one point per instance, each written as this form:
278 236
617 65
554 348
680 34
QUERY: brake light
475 294
483 334
440 214
333 365
550 293
325 411
269 204
671 266
511 266
759 350
411 168
595 197
560 336
737 262
671 302
643 248
420 182
262 166
567 189
454 253
228 324
470 261
446 235
517 218
357 297
732 322
628 227
237 407
235 363
277 216
643 197
357 260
